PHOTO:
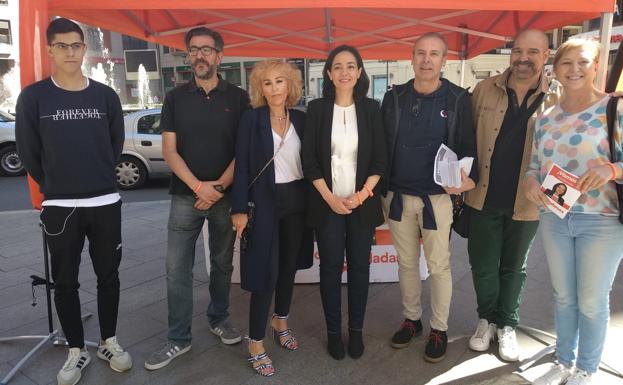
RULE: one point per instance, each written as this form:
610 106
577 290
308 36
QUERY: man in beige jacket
503 222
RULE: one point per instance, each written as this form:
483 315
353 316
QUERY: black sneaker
408 330
436 346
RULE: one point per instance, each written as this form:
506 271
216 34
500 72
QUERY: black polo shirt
205 126
508 151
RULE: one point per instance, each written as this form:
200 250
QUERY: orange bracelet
614 170
358 199
197 188
370 193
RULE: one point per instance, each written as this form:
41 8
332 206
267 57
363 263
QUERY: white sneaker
557 375
507 344
111 351
485 333
579 377
70 373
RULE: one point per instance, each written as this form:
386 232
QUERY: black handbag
460 215
245 236
611 116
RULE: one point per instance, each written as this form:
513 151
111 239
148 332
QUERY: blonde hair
577 43
262 68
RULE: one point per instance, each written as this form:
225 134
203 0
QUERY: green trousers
498 249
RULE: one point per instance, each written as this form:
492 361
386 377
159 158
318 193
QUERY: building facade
9 54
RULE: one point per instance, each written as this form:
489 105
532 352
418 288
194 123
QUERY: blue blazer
254 148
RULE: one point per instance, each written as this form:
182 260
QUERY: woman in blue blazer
268 173
344 157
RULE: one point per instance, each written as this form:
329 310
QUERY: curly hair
262 68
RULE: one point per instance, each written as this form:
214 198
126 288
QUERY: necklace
282 126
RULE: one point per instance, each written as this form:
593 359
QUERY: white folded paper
447 171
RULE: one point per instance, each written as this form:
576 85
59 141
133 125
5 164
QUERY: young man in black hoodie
419 116
70 133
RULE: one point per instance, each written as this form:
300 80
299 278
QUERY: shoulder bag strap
275 154
611 118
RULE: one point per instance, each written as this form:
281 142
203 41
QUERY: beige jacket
490 102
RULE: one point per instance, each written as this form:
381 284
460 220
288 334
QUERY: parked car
10 164
142 151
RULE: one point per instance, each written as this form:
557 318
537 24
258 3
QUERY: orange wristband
370 193
197 187
614 170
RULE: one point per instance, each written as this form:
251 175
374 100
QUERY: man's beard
206 75
528 64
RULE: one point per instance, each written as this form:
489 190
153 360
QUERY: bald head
529 55
534 36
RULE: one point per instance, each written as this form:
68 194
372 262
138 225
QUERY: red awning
308 28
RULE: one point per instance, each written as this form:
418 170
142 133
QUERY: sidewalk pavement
142 322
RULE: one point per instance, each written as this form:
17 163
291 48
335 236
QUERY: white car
10 164
142 151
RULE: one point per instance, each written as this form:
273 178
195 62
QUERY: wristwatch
219 188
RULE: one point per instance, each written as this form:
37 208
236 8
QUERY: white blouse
344 142
288 165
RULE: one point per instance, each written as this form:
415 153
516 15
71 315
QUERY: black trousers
340 233
66 229
284 255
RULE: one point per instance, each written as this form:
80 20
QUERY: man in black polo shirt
199 121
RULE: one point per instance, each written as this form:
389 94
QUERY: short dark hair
203 31
62 25
363 83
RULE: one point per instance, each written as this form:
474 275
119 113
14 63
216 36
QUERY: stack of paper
447 171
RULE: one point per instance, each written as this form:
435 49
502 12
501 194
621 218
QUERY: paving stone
16 277
18 379
23 313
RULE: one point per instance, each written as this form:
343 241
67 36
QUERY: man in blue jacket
419 116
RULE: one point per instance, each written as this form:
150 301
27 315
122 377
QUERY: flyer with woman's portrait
560 188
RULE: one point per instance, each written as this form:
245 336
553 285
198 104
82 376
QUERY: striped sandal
261 363
290 342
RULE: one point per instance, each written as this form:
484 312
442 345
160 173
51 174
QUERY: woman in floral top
584 249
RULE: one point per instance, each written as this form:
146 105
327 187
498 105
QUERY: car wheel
131 173
10 164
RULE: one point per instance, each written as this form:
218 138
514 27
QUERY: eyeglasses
65 47
206 50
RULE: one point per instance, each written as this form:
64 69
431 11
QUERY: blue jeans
583 253
185 222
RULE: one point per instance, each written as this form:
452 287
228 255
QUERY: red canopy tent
381 29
